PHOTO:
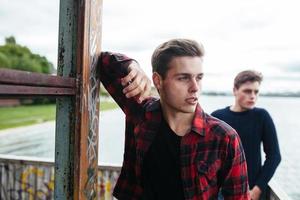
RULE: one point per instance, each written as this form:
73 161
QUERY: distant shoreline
268 94
228 93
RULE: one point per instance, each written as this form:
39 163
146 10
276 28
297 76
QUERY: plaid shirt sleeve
235 184
112 67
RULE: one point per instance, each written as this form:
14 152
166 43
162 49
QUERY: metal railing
33 178
275 192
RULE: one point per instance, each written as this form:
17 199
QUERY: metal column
76 140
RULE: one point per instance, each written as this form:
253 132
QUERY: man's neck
179 122
237 108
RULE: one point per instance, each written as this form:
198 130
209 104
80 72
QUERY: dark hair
247 75
165 52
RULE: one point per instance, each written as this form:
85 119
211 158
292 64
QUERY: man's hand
255 193
136 83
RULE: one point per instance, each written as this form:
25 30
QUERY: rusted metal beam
16 77
19 90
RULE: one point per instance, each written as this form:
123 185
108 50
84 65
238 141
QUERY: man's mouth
192 100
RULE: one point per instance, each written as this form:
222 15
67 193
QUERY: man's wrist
256 189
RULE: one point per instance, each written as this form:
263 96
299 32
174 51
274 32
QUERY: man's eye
183 78
199 78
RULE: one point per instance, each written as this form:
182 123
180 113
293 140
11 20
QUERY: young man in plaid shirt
173 149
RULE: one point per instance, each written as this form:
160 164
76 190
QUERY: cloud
293 67
261 35
290 68
34 24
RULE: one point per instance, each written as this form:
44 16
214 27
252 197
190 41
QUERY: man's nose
253 95
194 87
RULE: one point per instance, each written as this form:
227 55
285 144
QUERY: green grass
108 105
11 117
25 115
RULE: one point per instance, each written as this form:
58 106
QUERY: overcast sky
236 34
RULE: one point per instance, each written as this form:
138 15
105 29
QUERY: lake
38 140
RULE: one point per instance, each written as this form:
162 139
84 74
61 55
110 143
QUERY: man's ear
234 90
157 80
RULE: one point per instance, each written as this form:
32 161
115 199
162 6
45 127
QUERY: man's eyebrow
188 74
251 90
183 74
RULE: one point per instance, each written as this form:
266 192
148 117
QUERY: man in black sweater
254 126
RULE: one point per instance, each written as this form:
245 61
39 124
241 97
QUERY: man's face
246 95
180 89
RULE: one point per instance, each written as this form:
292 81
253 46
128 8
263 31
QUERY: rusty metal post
76 140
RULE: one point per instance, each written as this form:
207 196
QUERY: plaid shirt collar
198 123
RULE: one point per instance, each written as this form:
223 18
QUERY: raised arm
124 80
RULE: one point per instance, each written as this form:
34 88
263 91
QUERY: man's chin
190 109
249 107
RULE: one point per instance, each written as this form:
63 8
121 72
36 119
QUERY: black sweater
254 127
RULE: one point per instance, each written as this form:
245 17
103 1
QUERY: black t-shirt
161 168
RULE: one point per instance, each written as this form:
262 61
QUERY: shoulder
219 112
225 136
151 109
151 104
219 128
140 111
261 112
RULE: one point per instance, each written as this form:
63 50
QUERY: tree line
16 56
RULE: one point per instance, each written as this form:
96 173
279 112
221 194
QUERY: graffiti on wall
35 181
93 98
26 182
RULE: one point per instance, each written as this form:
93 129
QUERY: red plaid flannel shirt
211 154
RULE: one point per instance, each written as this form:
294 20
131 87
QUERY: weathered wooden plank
19 90
89 41
16 77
